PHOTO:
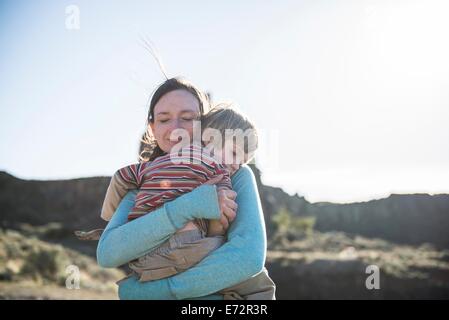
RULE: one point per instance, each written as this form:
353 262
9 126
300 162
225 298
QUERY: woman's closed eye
184 119
190 116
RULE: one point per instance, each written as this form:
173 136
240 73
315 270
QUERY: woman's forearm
132 289
124 241
241 257
237 260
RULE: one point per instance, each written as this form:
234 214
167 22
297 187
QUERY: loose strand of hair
149 46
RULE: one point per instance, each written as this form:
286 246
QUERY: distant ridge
76 203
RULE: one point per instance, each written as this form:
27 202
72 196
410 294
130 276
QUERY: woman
175 105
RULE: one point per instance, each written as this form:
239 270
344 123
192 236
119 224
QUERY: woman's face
174 110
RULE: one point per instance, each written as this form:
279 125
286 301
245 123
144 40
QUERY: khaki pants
180 252
258 287
185 249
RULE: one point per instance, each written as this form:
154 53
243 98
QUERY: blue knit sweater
241 257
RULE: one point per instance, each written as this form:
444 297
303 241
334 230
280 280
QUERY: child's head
230 135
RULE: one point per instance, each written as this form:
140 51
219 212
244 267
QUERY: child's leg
259 287
179 253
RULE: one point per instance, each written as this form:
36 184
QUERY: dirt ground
32 291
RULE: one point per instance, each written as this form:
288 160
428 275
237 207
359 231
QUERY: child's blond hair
224 116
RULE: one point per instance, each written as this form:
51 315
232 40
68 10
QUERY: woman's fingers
224 221
231 204
215 180
230 194
229 213
228 206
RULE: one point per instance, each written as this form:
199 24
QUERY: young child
176 173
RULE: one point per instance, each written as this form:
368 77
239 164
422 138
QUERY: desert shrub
291 227
52 230
46 264
25 258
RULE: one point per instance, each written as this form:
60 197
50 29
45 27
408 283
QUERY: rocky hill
316 250
74 203
402 218
407 219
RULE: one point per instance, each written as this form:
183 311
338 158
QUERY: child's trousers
185 249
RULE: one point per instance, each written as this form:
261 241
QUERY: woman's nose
175 124
178 129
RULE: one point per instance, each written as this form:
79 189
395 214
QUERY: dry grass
33 269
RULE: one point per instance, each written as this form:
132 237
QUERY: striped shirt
169 176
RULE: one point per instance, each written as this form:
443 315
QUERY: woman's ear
151 125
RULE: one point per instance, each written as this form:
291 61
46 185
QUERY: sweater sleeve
237 260
124 241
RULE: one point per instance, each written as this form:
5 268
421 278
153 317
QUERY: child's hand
215 180
215 228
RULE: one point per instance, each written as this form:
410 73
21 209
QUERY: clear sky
351 98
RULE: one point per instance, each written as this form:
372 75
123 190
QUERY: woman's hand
228 207
226 202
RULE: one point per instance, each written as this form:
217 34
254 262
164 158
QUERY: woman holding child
204 236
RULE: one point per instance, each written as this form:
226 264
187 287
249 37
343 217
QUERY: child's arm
124 179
